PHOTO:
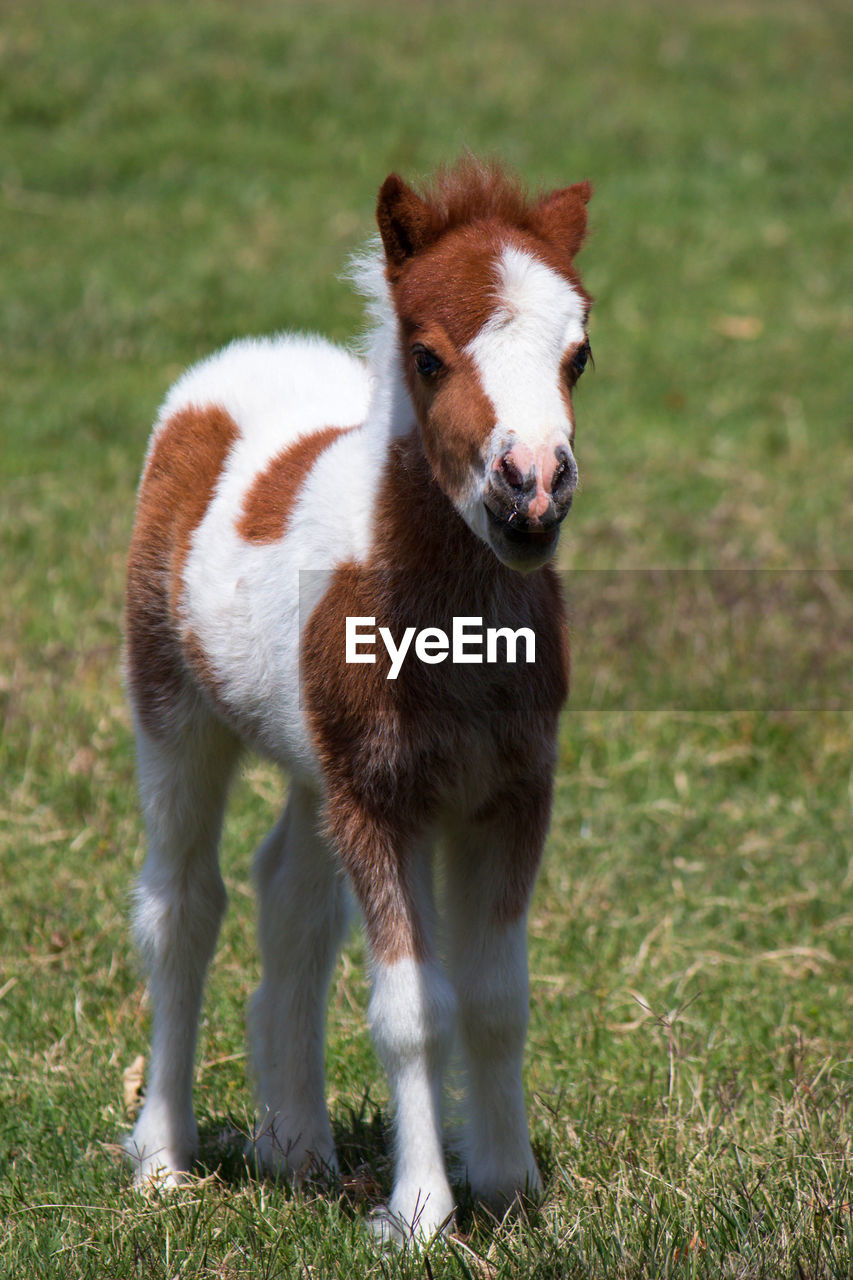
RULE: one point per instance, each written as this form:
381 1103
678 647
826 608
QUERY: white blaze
518 355
519 351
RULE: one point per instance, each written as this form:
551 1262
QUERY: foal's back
241 492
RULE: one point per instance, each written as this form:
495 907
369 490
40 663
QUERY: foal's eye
580 359
427 362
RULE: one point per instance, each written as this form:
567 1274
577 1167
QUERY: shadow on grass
362 1143
364 1149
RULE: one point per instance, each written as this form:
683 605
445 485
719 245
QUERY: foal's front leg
491 868
410 1016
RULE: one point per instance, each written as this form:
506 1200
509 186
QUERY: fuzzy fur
290 484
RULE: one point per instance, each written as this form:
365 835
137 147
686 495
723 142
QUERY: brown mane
473 189
474 192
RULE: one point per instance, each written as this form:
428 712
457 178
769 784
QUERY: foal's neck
431 558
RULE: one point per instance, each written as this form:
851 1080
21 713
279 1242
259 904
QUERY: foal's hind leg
303 913
179 903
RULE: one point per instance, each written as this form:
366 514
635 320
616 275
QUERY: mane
472 190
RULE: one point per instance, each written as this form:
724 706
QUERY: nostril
511 472
566 472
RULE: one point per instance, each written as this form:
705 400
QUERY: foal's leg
179 903
303 913
491 867
410 1018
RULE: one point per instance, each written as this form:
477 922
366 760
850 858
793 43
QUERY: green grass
172 176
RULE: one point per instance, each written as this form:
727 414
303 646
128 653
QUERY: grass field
171 176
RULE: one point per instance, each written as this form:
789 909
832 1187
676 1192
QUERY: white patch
488 968
391 411
411 1018
490 975
519 350
518 355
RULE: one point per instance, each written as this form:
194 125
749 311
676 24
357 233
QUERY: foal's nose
536 479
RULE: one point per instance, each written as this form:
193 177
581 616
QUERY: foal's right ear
407 223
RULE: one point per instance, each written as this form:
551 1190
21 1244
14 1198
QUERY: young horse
425 486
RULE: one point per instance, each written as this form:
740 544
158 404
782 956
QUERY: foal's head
492 318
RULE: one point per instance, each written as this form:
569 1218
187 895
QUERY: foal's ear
407 223
561 216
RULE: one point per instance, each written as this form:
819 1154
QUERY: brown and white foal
424 485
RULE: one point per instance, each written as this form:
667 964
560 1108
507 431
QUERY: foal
424 486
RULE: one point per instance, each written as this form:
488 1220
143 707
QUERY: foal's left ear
561 216
406 222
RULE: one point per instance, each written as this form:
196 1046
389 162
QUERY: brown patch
186 462
568 381
456 417
272 497
372 811
396 753
512 825
454 284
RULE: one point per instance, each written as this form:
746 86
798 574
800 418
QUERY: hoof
156 1170
399 1231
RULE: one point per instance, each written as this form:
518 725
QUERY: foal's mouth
523 542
